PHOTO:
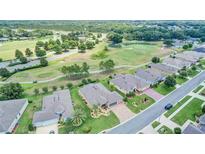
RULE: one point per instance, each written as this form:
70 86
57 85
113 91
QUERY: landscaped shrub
125 99
177 130
87 129
45 90
36 91
203 109
84 82
198 114
54 88
30 101
69 85
30 127
62 87
130 94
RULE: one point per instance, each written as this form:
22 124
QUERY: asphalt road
141 120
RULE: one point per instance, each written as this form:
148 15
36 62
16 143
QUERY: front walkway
47 129
153 94
122 112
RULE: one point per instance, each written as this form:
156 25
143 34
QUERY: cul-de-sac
102 77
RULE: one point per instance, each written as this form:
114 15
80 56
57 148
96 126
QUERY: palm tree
95 109
78 117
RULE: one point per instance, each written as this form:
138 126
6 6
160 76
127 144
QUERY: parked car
168 106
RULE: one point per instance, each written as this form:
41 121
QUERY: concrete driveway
122 112
153 94
157 109
47 129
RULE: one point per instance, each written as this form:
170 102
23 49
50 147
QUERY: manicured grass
155 124
137 53
133 54
111 87
178 105
198 88
188 112
180 80
96 125
27 116
163 89
165 130
192 73
138 100
7 50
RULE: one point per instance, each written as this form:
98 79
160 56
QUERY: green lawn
163 89
27 116
180 80
165 130
7 50
188 112
96 125
138 100
133 54
198 88
155 124
178 105
192 73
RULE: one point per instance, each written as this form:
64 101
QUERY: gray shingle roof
97 94
164 68
200 49
191 129
202 120
59 103
195 54
129 82
174 62
149 75
8 112
22 66
187 57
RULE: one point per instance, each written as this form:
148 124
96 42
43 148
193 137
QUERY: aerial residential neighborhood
102 77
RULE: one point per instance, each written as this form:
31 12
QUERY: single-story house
199 129
192 129
177 63
165 69
4 39
129 83
97 94
23 66
195 54
10 113
200 49
55 108
187 57
150 76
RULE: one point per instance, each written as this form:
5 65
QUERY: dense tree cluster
23 33
11 91
76 71
170 81
107 65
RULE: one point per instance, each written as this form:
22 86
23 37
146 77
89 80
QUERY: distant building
165 69
10 113
129 83
97 94
200 49
187 57
177 63
55 108
4 39
150 76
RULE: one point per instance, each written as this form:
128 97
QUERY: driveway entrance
122 112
